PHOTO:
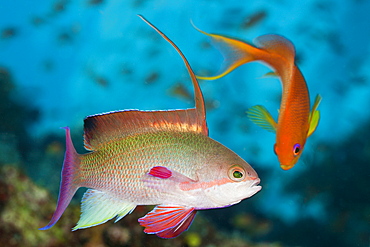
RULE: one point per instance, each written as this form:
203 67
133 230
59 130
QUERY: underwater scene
185 123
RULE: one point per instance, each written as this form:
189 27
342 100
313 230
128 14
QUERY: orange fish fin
98 207
235 53
260 116
115 125
168 221
314 115
277 44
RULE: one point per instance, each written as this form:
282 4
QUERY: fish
179 90
9 32
163 158
152 77
296 122
254 19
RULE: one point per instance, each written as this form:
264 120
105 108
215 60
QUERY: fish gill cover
70 59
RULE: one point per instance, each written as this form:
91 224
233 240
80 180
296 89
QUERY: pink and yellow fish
162 158
295 122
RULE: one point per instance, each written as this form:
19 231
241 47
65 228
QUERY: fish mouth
286 167
254 188
256 182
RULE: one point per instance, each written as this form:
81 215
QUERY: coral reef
24 206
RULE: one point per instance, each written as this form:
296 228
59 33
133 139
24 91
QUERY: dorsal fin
277 44
198 96
115 125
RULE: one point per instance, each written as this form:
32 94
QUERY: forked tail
235 52
69 183
274 50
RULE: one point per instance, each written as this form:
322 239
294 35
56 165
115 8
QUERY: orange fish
295 122
162 158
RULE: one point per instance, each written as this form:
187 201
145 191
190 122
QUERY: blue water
76 59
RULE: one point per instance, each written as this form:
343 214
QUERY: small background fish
324 195
296 122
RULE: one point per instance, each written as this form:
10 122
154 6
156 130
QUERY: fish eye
236 173
296 149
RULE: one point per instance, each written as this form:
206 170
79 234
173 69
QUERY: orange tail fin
275 50
235 53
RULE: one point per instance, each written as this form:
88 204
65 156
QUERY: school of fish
162 158
295 122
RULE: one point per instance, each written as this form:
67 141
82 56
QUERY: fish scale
139 154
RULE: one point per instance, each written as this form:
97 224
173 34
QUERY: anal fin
168 221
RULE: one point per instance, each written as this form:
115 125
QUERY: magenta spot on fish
160 172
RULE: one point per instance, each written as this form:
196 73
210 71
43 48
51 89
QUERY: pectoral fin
165 180
168 221
171 185
160 172
314 115
259 115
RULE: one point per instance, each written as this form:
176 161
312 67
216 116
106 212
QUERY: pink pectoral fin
167 221
165 180
160 172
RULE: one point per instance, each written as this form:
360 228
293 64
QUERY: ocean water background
71 59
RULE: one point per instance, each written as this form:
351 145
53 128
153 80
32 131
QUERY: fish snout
286 167
256 182
254 187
